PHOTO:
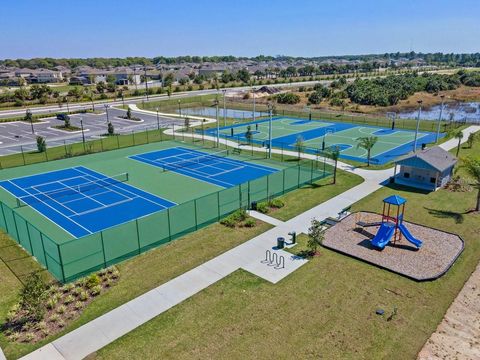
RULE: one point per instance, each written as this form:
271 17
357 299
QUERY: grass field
200 246
326 309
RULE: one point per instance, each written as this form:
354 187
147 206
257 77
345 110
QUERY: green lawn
309 196
326 309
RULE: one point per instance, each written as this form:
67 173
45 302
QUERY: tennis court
323 135
215 168
82 201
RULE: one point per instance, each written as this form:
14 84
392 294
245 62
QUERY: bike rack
273 259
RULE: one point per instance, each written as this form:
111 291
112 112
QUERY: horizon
117 29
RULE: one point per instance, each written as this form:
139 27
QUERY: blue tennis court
82 201
214 168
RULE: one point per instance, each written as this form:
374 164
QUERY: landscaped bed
437 253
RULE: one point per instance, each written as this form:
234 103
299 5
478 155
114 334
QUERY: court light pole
253 92
106 111
146 82
83 133
270 109
158 120
218 125
418 124
224 108
179 108
439 120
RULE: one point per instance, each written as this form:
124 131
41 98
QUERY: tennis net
69 190
202 159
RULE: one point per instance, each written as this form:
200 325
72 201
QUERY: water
469 111
231 113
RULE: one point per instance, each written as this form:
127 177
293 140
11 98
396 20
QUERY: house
42 76
428 169
125 76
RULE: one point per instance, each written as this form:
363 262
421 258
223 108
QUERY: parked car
63 117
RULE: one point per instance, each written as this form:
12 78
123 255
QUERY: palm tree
472 168
367 143
459 136
334 154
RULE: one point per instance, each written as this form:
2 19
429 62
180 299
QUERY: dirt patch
438 252
458 335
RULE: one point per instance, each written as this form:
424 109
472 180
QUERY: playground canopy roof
395 200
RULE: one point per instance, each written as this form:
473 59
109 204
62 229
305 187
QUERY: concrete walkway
249 256
265 218
2 357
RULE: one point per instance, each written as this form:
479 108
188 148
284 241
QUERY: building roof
395 200
435 156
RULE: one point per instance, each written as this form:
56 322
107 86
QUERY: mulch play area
438 251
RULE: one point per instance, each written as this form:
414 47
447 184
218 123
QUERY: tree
110 129
471 167
472 138
459 135
32 297
367 143
67 123
334 154
288 98
315 98
28 116
187 123
129 113
243 75
299 145
249 134
315 236
41 144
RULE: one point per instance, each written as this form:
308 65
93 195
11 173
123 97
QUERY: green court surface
319 135
199 202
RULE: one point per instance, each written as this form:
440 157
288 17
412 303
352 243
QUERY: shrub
61 309
29 337
288 98
68 287
51 303
14 336
276 203
78 305
115 274
96 290
250 223
83 296
61 323
77 291
92 281
54 318
109 283
42 325
228 222
69 299
263 207
33 295
239 215
41 144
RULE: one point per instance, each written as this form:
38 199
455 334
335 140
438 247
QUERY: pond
469 111
231 113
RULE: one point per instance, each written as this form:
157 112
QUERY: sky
121 28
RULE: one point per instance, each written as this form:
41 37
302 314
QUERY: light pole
146 83
30 117
270 109
106 111
253 92
218 125
179 108
224 108
158 120
418 124
83 134
439 119
68 107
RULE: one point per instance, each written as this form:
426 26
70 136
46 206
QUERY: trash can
280 243
254 205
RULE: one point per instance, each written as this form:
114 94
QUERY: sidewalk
248 256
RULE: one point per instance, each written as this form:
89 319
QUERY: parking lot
17 135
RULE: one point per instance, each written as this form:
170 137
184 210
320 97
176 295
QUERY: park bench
344 212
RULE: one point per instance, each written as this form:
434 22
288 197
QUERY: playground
387 241
322 135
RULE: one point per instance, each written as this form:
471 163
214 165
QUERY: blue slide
383 236
408 235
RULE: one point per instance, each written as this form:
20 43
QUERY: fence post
101 144
43 249
148 140
103 250
4 218
283 176
61 262
196 220
311 172
118 141
138 235
268 188
173 126
169 226
23 154
29 238
133 137
298 178
16 228
218 204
